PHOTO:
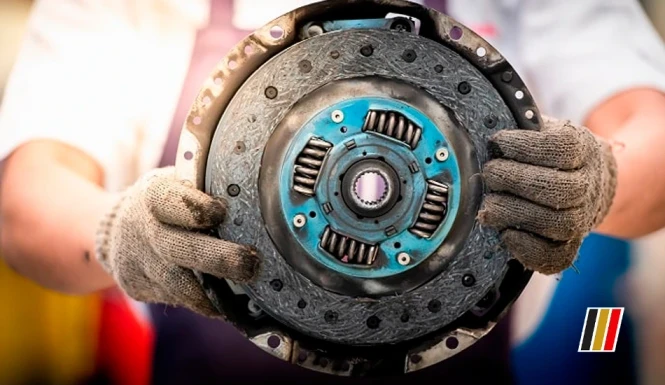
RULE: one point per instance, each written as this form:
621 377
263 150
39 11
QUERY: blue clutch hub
369 187
350 152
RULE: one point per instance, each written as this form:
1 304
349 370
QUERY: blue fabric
550 356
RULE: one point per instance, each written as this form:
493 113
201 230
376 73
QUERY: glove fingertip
249 266
494 149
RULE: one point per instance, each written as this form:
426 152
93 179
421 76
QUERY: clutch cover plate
350 151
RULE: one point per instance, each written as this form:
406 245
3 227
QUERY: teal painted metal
369 145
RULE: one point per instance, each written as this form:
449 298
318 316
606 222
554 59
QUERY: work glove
547 190
153 238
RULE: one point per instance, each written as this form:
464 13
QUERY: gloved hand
151 241
548 189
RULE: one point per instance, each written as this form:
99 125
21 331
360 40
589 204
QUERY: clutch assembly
348 139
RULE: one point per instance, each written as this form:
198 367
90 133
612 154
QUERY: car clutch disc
349 151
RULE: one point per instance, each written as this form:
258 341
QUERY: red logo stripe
612 331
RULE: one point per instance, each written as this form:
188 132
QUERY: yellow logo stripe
601 327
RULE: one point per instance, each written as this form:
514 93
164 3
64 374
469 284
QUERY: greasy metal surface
252 119
222 85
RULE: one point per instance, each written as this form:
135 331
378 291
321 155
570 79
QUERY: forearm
635 125
49 213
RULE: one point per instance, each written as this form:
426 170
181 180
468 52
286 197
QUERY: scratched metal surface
251 118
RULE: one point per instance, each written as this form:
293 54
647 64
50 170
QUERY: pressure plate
349 151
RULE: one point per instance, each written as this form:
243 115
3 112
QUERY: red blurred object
126 342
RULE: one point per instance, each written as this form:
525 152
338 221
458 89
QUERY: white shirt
105 75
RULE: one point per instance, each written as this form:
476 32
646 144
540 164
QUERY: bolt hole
428 160
434 306
343 130
312 214
274 342
382 159
206 100
364 153
330 316
373 322
276 284
249 50
397 245
399 198
359 216
218 81
302 304
196 120
452 343
456 33
376 221
404 181
276 32
405 317
336 193
188 155
233 64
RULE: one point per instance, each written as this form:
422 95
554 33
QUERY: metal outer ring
260 46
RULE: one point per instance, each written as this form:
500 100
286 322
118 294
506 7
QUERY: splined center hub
370 188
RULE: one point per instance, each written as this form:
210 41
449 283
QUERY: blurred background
49 338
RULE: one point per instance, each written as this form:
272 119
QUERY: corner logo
601 329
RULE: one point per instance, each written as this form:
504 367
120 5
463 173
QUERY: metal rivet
403 259
302 304
330 316
464 88
274 341
305 66
299 220
271 92
373 322
441 154
302 356
314 30
468 280
233 190
334 54
481 52
529 114
438 68
415 358
239 148
519 95
238 221
507 76
367 50
490 121
337 116
409 55
434 306
276 284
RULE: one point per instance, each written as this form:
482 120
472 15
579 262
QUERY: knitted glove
548 189
151 241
